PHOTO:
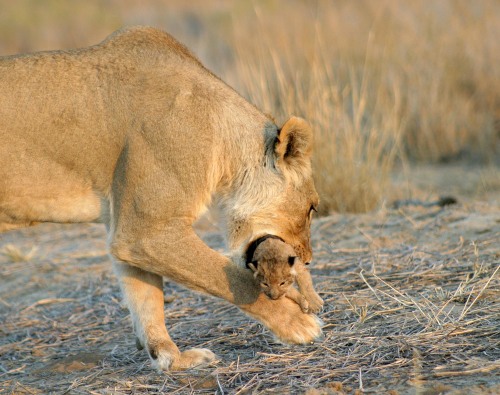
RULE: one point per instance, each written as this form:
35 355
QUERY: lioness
135 132
276 269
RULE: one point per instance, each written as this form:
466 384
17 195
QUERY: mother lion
136 133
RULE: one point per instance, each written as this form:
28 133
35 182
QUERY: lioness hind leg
143 292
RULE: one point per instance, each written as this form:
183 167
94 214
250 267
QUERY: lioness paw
192 358
304 330
161 359
288 322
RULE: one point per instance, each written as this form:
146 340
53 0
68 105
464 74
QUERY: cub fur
276 268
136 133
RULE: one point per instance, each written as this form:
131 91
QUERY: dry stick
484 369
394 298
444 306
369 286
219 384
466 310
5 303
349 250
48 301
408 218
246 385
364 234
20 368
25 388
432 307
183 387
414 303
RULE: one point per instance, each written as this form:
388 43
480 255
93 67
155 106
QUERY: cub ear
291 260
294 142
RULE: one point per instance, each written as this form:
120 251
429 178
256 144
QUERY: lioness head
276 193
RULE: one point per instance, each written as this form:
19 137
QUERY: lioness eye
283 283
264 285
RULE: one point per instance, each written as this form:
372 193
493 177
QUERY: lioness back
67 116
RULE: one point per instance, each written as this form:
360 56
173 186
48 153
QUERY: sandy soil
412 306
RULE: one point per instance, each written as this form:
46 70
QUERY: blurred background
403 96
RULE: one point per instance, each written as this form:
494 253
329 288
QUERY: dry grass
14 254
355 148
412 306
380 81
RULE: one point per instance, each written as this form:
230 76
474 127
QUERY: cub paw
304 305
315 303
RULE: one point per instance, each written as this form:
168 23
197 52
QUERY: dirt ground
412 307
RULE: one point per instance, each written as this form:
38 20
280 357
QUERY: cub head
275 193
273 267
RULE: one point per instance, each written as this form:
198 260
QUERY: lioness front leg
143 292
176 252
306 287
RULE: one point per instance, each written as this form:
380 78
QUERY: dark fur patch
153 353
138 344
271 139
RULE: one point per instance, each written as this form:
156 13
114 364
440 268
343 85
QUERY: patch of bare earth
412 306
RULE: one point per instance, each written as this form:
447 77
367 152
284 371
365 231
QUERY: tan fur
276 274
136 133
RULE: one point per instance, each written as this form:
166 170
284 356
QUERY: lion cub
276 268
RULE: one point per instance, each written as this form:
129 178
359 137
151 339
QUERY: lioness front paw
192 358
286 320
305 329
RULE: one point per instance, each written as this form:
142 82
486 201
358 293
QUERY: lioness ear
294 142
291 260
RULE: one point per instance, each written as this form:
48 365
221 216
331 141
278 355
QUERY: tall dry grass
357 120
381 82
